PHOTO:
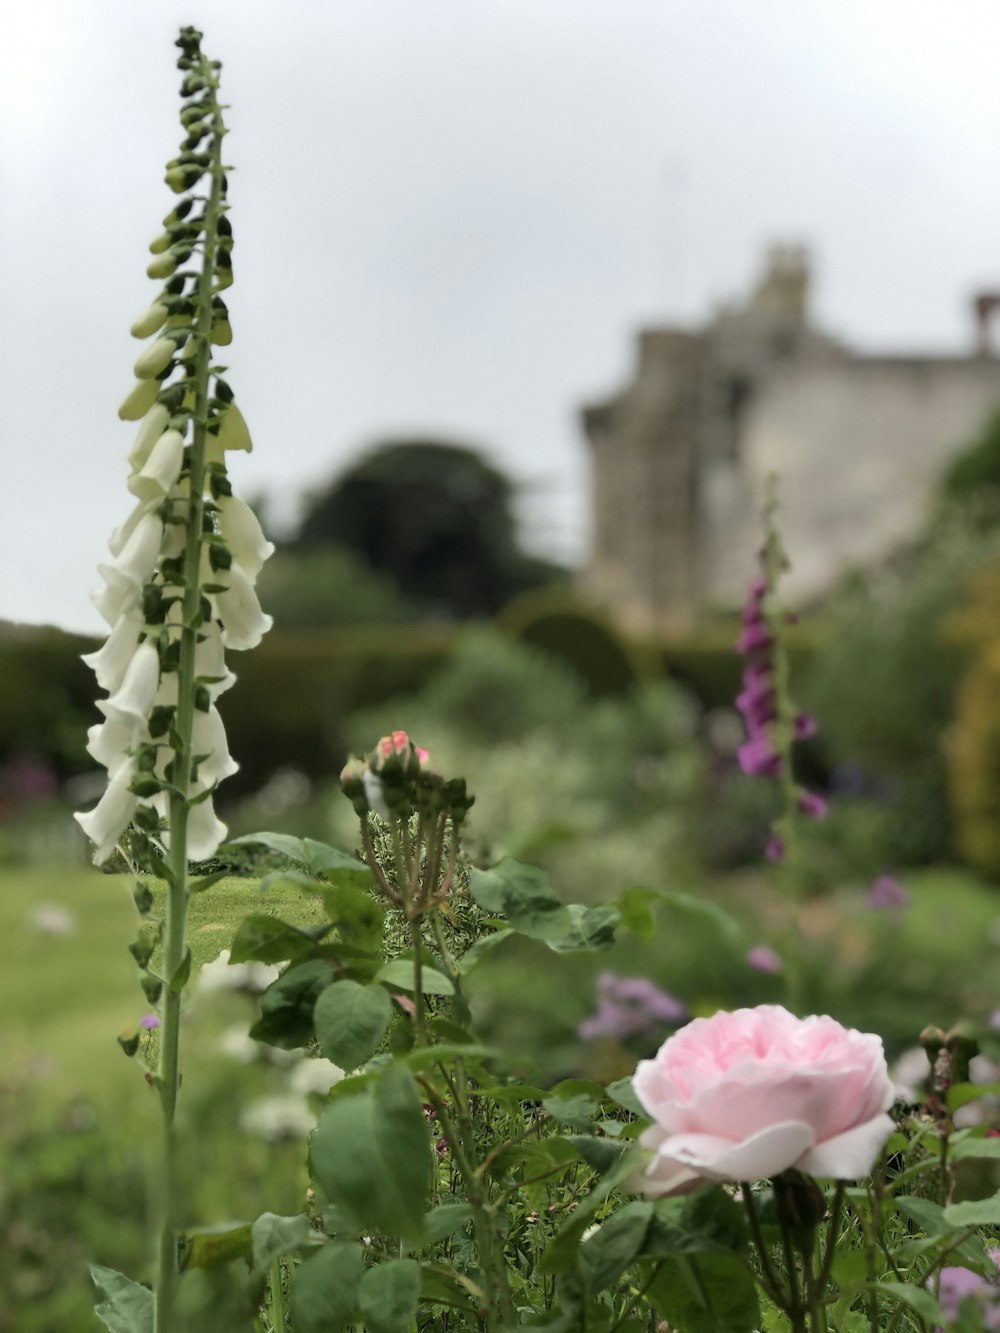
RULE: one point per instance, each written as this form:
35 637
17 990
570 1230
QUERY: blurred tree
331 585
973 478
437 518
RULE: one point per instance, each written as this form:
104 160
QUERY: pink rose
746 1095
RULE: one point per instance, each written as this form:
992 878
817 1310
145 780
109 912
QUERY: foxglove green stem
178 893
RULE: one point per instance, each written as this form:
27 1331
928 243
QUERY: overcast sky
451 217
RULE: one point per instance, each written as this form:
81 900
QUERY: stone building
680 455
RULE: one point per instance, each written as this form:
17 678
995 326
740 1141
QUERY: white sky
452 215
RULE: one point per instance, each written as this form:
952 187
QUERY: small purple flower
805 726
149 1022
754 638
774 849
812 805
628 1006
763 959
887 894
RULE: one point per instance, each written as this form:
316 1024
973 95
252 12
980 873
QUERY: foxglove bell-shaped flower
153 424
110 662
161 469
105 823
244 623
209 738
126 575
132 702
243 535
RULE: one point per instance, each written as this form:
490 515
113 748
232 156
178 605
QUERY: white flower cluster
141 601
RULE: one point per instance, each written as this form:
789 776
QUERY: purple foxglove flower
758 756
754 638
775 848
805 726
887 894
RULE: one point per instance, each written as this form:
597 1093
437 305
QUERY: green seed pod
151 322
139 401
161 267
155 358
176 178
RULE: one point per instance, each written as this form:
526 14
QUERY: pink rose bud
745 1096
400 741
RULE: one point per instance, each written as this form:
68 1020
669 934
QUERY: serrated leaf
268 939
274 1236
484 945
974 1213
444 1220
915 1298
389 1295
606 1254
400 974
350 1021
126 1307
523 895
622 1093
371 1154
325 1288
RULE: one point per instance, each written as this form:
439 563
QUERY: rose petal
850 1155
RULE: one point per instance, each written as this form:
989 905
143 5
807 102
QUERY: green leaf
484 945
705 1293
210 1247
599 1154
180 978
350 1021
325 1289
636 908
605 1255
317 857
622 1093
371 1154
975 1146
917 1299
960 1094
389 1295
268 939
559 1256
400 974
974 1213
444 1220
274 1236
206 881
709 1222
574 1102
702 911
126 1307
523 895
356 916
287 1005
928 1215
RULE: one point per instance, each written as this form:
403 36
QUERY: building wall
681 454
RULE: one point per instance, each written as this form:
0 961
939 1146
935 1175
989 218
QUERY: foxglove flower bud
140 400
110 661
130 569
150 322
154 358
